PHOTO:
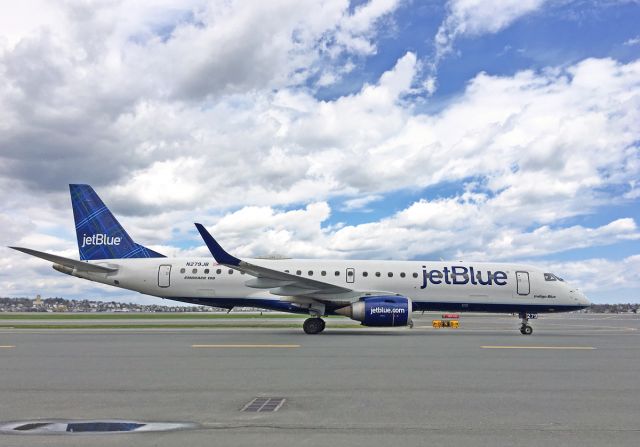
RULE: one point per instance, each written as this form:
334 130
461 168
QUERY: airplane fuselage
455 286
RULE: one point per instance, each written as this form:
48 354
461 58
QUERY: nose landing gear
525 329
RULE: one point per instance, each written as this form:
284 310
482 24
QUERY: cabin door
164 276
522 279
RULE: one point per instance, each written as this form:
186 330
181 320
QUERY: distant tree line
614 308
85 305
64 305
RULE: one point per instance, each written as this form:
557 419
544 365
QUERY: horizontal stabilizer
73 263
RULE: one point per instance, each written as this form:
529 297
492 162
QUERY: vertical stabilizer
100 235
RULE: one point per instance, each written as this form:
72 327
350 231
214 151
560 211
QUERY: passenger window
230 271
206 271
402 275
349 272
378 274
390 275
337 273
298 272
286 271
365 274
310 272
323 273
194 271
182 270
415 275
218 271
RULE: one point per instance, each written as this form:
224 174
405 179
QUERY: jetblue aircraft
376 293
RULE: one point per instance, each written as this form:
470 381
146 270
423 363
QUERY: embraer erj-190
376 293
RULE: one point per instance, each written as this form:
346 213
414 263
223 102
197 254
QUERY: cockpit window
552 277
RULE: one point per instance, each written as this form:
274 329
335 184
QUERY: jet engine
380 311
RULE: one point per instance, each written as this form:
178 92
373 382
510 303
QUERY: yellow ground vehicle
445 323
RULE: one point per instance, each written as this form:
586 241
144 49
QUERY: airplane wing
80 266
282 283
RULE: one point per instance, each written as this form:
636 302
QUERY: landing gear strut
525 329
313 325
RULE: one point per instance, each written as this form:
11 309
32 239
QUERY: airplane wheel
313 325
526 330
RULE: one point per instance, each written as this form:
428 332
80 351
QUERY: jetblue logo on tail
100 239
99 234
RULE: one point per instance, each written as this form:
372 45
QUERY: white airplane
376 293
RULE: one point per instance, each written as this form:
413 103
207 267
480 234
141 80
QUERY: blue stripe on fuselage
494 308
418 306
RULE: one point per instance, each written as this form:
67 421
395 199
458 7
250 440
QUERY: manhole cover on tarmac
61 426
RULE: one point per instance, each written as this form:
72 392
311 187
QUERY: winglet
221 256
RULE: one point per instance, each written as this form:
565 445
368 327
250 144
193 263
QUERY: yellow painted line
583 348
245 346
7 346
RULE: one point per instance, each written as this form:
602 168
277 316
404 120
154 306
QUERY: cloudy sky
389 129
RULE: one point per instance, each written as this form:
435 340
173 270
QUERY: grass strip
163 326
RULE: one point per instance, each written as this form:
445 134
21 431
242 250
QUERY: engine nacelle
385 311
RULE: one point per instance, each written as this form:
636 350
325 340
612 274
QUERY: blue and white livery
376 293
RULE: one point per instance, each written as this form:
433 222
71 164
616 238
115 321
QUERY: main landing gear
313 325
525 329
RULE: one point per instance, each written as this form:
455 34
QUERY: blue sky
559 34
384 129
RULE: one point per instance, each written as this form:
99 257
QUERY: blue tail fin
100 236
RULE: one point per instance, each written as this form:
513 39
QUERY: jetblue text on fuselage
458 274
100 239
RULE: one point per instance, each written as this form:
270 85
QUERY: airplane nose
580 298
585 301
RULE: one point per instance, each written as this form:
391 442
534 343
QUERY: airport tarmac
574 382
